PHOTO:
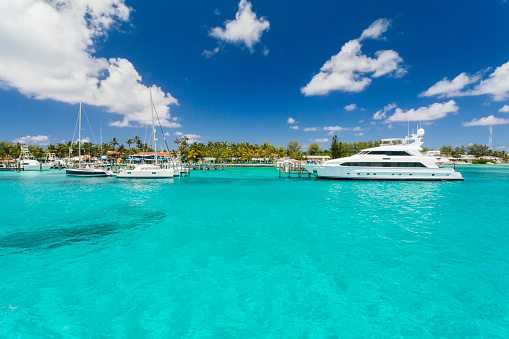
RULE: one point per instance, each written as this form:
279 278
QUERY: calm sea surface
241 253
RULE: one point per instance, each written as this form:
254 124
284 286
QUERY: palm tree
121 149
137 141
129 142
114 142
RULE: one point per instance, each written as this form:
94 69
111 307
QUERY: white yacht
85 171
27 161
394 159
149 171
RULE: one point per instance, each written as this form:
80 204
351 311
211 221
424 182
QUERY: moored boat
394 159
85 171
149 171
27 161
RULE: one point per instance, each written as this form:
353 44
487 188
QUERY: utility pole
491 138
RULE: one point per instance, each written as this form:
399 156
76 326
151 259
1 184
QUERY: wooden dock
288 168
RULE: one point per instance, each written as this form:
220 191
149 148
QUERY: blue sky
256 70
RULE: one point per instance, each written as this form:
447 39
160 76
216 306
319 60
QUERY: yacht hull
35 167
87 172
356 173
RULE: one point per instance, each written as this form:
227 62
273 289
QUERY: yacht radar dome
420 132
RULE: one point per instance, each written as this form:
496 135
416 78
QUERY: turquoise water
241 253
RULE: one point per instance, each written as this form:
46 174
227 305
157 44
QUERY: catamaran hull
148 174
87 172
356 173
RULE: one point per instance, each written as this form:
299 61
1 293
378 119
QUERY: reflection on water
91 228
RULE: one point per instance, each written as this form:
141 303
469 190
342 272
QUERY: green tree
129 142
121 149
137 141
114 143
479 150
313 148
293 147
446 150
334 148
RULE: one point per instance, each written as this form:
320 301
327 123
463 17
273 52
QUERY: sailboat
85 171
149 171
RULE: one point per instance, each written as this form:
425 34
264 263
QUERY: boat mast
79 139
153 127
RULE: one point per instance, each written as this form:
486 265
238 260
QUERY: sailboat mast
153 127
79 139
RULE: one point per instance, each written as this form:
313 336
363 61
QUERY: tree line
477 150
222 150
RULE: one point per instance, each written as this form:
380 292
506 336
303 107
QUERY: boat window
397 153
400 153
383 164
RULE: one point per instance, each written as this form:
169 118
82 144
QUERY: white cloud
294 127
352 71
504 109
359 134
217 11
495 85
247 28
486 121
432 112
47 53
321 140
350 107
376 29
311 129
193 138
452 88
208 54
382 114
334 129
265 51
33 140
291 121
167 134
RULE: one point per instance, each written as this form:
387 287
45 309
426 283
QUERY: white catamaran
394 159
85 171
149 171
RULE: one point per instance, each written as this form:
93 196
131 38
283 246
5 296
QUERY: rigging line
73 135
161 127
145 139
83 106
75 127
